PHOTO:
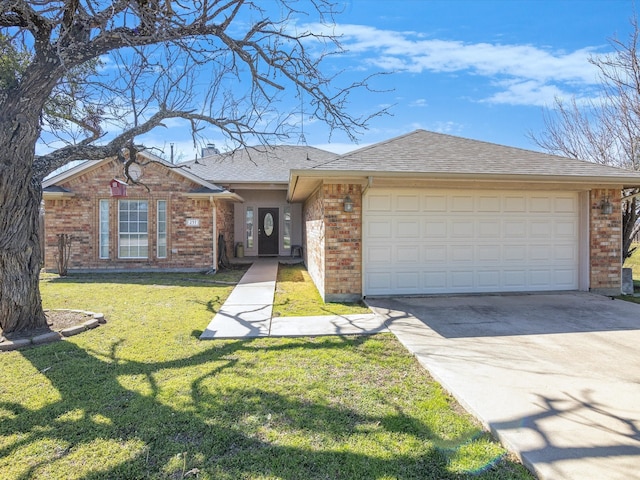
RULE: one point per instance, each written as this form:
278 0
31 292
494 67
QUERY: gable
94 177
441 154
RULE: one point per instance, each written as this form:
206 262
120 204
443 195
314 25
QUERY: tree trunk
20 198
629 224
20 302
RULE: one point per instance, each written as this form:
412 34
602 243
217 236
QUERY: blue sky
474 68
479 69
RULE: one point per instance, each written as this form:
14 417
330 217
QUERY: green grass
296 295
142 398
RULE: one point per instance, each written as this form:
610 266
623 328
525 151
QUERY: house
423 213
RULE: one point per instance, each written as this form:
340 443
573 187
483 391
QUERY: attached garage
428 213
430 241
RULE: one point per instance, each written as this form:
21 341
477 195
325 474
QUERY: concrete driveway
556 377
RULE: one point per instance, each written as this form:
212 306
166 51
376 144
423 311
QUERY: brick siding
313 233
343 242
187 247
332 237
605 248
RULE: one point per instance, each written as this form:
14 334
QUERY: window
287 228
162 229
104 229
132 223
249 225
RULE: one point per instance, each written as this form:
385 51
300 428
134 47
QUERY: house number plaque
192 222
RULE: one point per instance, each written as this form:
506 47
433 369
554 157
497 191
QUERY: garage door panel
408 203
568 253
377 202
566 228
488 229
407 228
435 228
514 253
540 204
566 278
540 228
565 204
488 204
436 253
461 229
514 228
462 253
380 229
407 253
515 203
435 280
379 255
489 280
408 281
478 241
462 203
434 203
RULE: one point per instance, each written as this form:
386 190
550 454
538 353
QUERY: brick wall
188 247
313 238
333 244
605 247
343 243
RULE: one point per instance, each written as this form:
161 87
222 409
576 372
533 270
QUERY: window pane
287 227
249 227
103 246
132 223
162 229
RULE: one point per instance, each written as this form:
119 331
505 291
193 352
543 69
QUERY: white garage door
455 241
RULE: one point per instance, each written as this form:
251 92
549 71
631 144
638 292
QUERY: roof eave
622 181
627 180
230 196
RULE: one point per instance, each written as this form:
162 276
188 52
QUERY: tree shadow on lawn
236 432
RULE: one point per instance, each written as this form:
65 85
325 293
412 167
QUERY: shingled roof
429 152
257 164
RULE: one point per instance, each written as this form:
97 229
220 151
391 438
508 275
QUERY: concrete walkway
247 313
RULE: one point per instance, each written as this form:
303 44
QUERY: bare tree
606 129
96 75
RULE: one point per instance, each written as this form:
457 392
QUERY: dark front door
268 231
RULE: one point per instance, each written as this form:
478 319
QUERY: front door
268 231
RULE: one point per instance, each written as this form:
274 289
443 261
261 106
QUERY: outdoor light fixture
606 206
348 204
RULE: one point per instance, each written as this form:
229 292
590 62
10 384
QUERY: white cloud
419 102
532 75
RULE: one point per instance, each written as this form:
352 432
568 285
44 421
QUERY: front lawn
142 397
296 295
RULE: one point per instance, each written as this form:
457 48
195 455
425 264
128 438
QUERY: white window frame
250 233
103 226
286 223
129 234
161 229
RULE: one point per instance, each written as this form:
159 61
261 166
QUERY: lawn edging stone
7 345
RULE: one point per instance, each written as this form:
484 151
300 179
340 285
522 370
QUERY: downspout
368 185
363 236
214 264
